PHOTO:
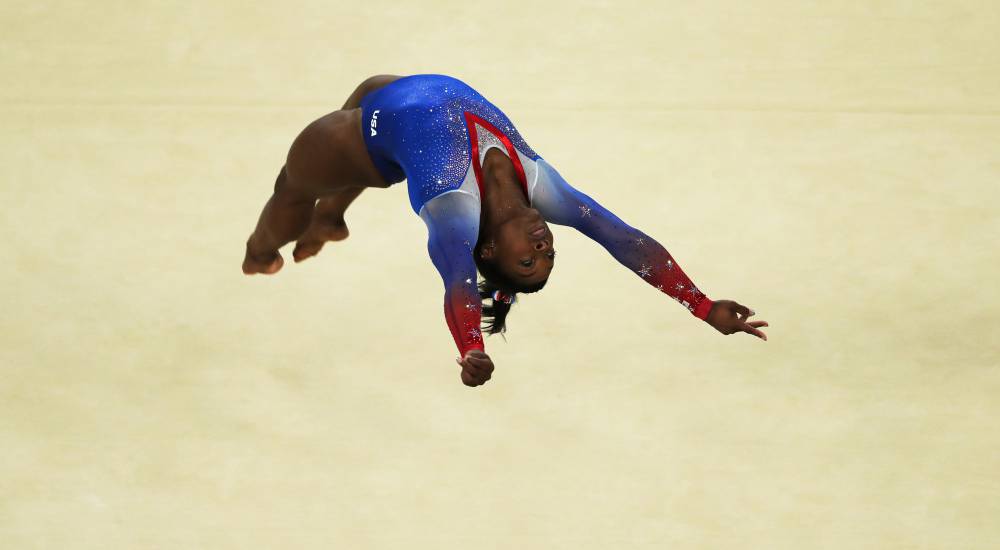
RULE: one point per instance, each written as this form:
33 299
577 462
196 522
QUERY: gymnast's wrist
470 347
703 309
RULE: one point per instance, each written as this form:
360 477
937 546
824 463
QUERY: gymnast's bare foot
267 264
320 231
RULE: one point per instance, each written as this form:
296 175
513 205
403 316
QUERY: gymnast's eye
526 263
552 255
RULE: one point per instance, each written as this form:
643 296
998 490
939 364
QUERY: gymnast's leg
319 181
285 217
327 223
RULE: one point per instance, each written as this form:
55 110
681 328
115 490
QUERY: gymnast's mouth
539 232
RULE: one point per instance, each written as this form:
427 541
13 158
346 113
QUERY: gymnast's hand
728 317
477 367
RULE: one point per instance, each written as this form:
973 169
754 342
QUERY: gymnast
484 194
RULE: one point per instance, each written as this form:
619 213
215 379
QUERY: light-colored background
834 165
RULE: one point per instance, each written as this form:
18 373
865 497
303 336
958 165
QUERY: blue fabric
415 128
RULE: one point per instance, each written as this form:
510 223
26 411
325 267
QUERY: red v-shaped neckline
471 121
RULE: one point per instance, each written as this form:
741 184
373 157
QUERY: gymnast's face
523 249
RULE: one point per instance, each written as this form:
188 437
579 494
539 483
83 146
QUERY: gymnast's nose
542 244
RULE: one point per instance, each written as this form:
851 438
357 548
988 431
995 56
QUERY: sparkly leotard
434 131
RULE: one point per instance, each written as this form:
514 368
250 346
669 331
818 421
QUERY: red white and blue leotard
434 131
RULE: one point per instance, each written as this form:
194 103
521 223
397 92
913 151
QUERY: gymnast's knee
289 190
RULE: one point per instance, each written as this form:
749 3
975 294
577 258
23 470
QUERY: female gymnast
484 194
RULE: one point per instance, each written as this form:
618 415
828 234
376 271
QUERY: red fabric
462 311
702 310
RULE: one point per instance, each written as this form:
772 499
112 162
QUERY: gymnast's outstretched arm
453 227
562 204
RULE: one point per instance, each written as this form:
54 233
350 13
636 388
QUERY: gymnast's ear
487 251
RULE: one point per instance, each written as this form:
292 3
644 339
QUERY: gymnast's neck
503 196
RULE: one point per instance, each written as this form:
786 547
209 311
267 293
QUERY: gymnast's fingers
477 378
482 380
467 379
483 364
467 370
474 370
753 330
743 310
479 359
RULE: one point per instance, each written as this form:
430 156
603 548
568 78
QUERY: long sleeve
562 204
453 227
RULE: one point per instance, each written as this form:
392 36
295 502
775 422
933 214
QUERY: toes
332 231
252 266
274 266
319 233
306 249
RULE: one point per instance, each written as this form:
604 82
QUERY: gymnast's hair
494 311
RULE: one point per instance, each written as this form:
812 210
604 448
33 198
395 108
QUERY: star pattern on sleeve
632 248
